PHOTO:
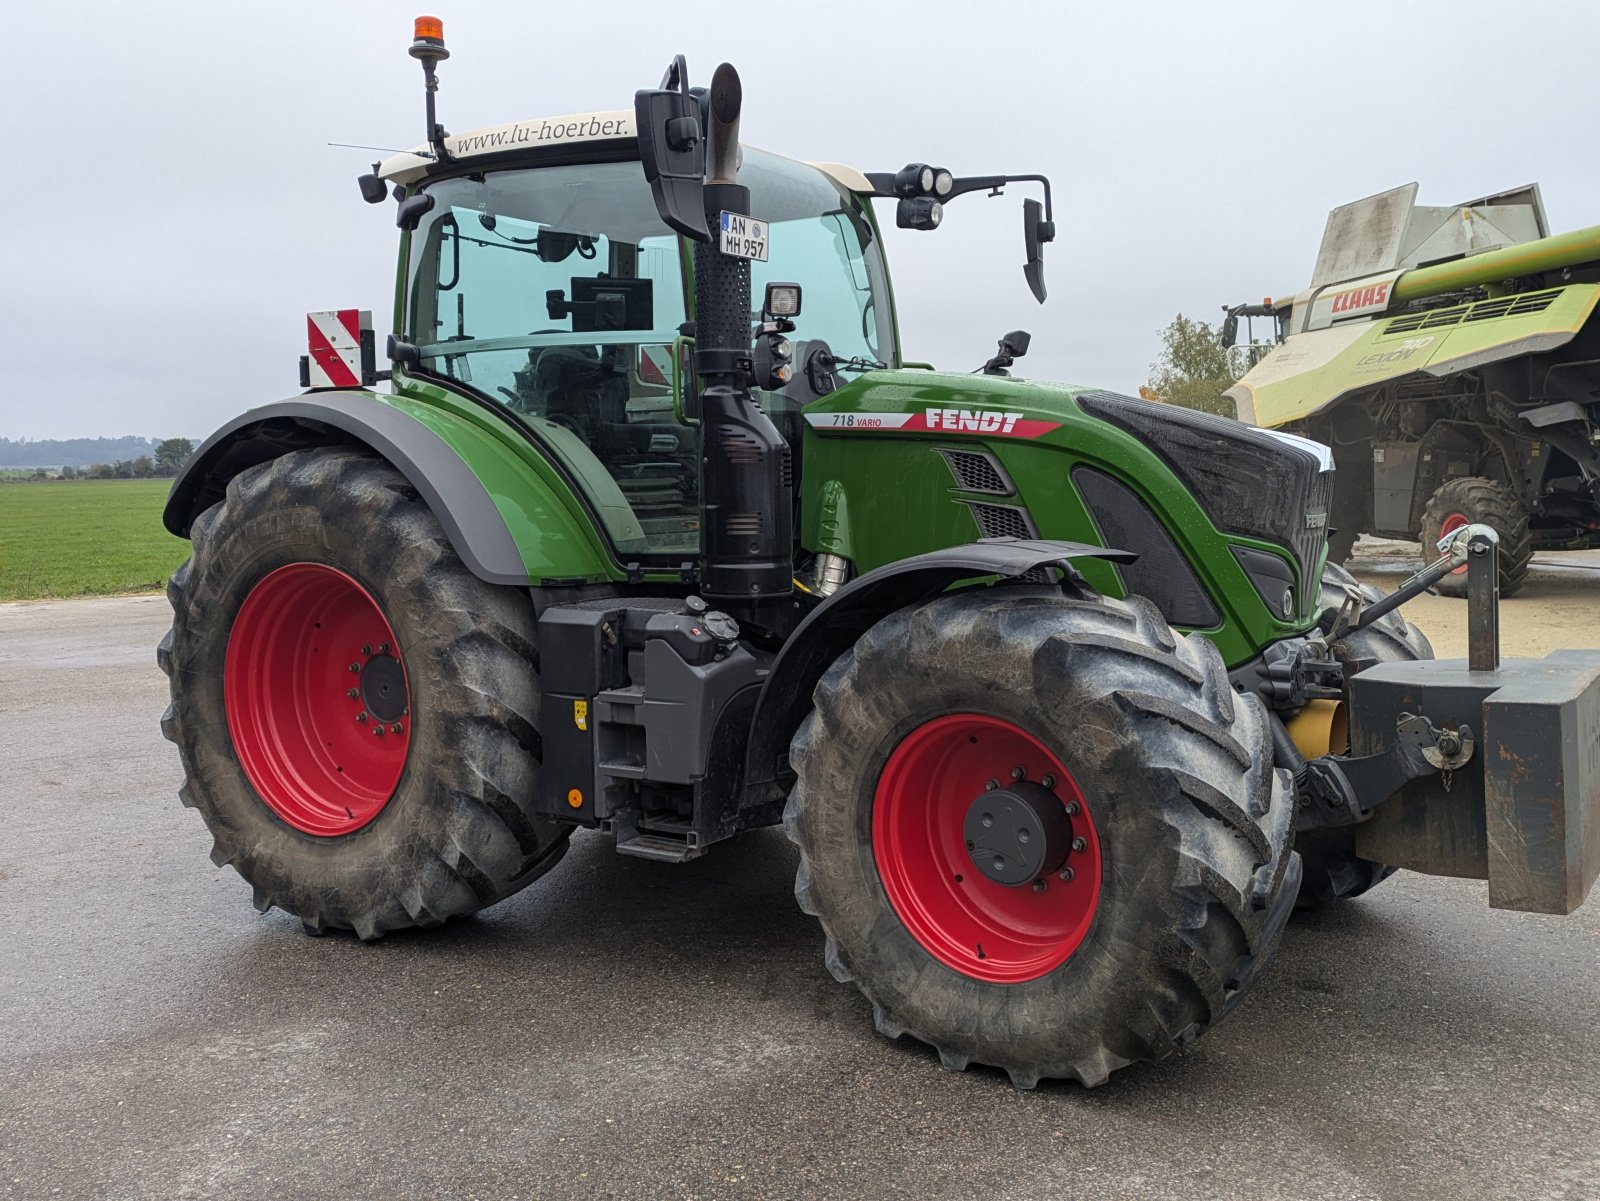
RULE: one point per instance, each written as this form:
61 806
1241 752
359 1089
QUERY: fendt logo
1361 298
979 421
945 421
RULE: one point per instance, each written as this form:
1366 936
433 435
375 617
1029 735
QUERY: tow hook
1341 790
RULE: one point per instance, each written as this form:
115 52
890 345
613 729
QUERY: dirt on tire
1176 769
456 834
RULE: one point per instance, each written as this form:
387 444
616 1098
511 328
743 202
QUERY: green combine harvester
651 530
1451 359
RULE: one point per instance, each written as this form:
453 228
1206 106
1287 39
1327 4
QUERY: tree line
169 457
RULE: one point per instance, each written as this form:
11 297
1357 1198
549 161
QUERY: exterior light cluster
920 188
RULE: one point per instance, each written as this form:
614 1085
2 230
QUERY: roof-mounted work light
919 212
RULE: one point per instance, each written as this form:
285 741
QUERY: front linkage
1519 821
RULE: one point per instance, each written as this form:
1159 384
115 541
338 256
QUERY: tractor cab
556 291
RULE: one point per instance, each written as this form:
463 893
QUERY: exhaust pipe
747 477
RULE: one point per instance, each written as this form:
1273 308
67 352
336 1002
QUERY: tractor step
664 848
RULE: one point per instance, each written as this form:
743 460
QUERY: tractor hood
1315 370
1230 522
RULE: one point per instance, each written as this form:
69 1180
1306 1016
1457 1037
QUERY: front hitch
1518 806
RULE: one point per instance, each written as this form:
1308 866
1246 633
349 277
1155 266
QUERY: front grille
977 471
1003 521
1483 310
1248 481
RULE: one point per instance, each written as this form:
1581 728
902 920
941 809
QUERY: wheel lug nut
1080 844
396 728
1039 886
991 785
1065 874
367 649
383 648
352 693
362 716
355 667
1048 781
1072 808
1017 772
378 730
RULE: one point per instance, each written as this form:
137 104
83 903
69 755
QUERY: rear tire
1333 870
1181 810
323 817
1470 500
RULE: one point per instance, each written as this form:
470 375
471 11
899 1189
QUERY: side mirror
1230 331
1036 231
672 150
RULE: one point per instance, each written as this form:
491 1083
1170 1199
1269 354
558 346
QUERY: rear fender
517 535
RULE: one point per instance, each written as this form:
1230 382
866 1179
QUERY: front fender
834 626
515 529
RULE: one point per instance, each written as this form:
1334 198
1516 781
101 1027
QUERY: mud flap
1524 813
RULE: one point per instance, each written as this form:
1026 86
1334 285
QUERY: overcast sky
174 209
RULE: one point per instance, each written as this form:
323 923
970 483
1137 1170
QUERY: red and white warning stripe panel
341 347
941 421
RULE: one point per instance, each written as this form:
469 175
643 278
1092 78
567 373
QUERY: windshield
557 292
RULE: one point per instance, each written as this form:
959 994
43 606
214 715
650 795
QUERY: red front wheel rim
317 700
1450 525
1001 933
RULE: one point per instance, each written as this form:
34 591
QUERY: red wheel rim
983 929
1449 526
316 698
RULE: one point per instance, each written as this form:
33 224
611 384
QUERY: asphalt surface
630 1029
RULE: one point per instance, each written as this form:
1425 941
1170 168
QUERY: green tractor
1049 686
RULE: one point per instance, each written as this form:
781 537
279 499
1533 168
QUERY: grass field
84 538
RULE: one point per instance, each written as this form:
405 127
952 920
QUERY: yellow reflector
575 798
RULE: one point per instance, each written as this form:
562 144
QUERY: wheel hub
1017 834
383 688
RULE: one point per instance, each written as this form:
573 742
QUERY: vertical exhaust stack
747 477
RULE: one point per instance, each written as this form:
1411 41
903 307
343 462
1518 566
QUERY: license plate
744 237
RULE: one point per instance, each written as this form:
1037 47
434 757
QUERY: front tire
357 714
1177 876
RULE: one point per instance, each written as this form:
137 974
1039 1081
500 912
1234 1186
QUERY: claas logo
1361 298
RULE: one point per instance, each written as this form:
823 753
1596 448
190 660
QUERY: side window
557 294
829 258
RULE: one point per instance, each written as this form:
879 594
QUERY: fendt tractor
655 532
1451 359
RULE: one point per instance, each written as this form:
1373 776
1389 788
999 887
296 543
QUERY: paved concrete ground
628 1029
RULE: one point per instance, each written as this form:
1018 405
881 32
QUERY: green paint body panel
549 523
898 497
